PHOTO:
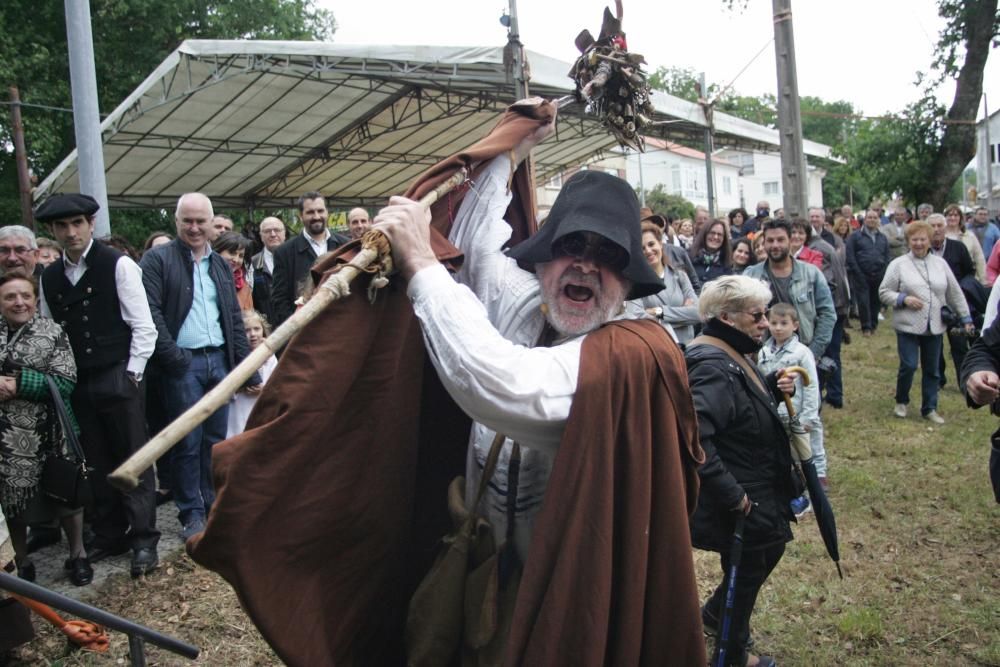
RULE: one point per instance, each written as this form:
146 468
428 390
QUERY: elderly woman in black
748 465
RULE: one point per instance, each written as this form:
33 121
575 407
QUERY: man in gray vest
96 294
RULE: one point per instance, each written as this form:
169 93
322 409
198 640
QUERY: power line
740 73
39 106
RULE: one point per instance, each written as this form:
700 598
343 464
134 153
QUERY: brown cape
609 578
330 505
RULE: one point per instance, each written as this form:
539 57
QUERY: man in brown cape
326 518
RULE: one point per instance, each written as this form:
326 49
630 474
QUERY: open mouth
578 293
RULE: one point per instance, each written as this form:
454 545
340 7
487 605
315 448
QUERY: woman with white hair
748 462
917 286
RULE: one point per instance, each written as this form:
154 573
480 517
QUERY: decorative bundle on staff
610 80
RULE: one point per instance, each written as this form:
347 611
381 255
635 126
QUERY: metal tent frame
253 124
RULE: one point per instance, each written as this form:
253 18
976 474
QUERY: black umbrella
821 504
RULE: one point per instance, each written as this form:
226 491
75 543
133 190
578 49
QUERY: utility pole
517 53
794 176
86 116
709 175
642 184
21 157
989 151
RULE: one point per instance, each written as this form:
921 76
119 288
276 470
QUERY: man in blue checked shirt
200 339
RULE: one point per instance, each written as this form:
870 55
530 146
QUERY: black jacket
168 276
984 355
867 257
746 448
292 261
263 283
959 259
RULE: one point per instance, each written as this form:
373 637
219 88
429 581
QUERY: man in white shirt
294 258
510 346
96 294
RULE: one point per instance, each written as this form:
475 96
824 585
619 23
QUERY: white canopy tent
256 123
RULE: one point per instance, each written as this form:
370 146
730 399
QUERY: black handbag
66 480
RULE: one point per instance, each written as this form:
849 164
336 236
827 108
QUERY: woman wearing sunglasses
747 473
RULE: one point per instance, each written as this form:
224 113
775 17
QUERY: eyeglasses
757 315
19 250
268 232
578 246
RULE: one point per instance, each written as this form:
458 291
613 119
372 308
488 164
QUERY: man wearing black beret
96 294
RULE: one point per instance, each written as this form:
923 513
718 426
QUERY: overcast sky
863 51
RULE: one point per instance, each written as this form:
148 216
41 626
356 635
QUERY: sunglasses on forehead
597 248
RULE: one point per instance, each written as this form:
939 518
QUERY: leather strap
489 468
736 356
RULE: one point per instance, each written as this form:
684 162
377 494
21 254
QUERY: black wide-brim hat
593 201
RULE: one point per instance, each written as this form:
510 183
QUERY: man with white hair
272 234
200 339
523 341
18 251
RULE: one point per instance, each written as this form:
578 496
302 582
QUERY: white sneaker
933 416
900 410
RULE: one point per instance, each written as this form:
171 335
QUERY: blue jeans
834 386
191 459
928 347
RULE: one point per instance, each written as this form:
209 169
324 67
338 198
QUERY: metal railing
137 634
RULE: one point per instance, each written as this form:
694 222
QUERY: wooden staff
375 248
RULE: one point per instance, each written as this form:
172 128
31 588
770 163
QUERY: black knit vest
89 311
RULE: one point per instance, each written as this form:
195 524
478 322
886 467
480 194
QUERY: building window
555 182
691 176
771 188
727 185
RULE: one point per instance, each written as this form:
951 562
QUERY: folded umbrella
822 509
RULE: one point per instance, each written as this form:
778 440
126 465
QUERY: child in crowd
783 349
239 408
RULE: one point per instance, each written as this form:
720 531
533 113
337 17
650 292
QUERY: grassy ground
919 542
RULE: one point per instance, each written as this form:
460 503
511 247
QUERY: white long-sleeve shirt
479 335
132 302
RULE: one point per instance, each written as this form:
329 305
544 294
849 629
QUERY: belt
205 350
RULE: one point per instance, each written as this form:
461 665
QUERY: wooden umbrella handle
375 245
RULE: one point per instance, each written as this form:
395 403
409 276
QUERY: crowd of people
126 341
132 339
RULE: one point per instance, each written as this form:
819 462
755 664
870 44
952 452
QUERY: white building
760 178
988 163
742 178
680 170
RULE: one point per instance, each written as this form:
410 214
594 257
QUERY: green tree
667 204
921 152
131 37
